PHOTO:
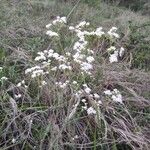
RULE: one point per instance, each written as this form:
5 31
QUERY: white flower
83 100
99 102
90 59
86 66
43 82
37 73
23 82
17 96
112 32
113 58
55 55
64 19
19 84
51 33
115 95
96 95
74 82
62 85
64 66
81 24
87 90
13 140
42 57
1 68
107 92
91 110
54 68
3 78
71 28
99 31
121 52
48 25
59 20
84 107
68 54
117 98
112 48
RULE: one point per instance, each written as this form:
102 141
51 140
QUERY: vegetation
72 84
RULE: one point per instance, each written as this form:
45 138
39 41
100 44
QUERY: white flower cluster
81 56
62 85
112 32
80 47
35 71
58 20
45 59
22 83
3 78
116 53
17 96
87 92
115 95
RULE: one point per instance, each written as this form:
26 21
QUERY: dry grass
46 119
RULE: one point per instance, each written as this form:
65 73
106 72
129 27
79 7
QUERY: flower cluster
57 21
79 57
3 78
115 95
115 53
112 32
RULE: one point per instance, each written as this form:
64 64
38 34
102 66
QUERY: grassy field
90 103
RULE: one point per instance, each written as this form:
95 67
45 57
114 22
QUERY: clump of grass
47 111
72 97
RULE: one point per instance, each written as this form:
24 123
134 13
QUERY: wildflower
64 19
112 48
13 140
90 59
86 66
99 31
121 52
117 98
91 110
55 55
83 100
48 25
107 92
99 102
81 24
43 83
113 58
51 33
23 82
54 68
19 84
64 66
37 73
74 82
71 28
3 78
75 137
96 95
112 32
115 95
17 96
68 54
87 90
42 57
